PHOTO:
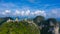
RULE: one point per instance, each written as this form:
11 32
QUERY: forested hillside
37 25
4 19
21 27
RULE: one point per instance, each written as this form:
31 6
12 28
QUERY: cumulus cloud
17 12
39 12
6 12
24 13
27 12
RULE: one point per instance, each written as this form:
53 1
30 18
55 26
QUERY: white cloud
24 13
39 12
32 13
7 11
27 12
17 12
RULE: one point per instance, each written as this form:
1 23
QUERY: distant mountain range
4 19
20 18
58 19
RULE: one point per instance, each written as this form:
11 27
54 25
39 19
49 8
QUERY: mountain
4 19
20 27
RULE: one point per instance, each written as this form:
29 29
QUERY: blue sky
30 8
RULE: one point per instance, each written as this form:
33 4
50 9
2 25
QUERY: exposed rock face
56 29
9 20
49 26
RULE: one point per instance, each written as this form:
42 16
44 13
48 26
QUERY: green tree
18 28
38 20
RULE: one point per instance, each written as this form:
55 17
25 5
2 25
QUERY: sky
30 8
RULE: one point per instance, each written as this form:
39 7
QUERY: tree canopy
18 28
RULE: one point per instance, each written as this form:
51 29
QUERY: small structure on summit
9 20
17 19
